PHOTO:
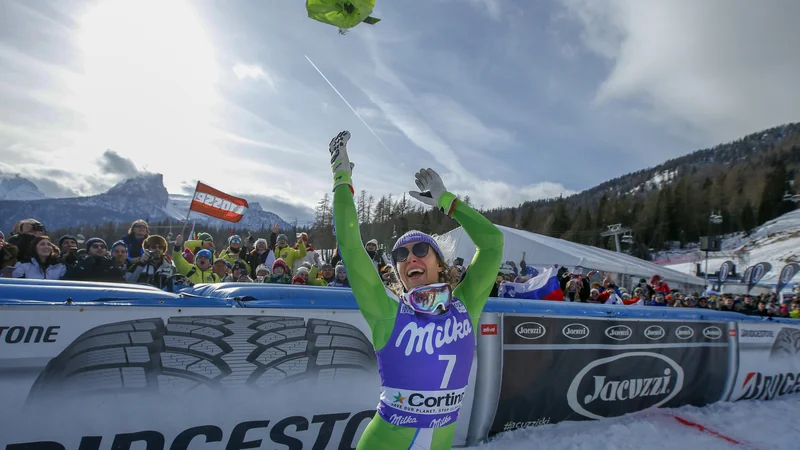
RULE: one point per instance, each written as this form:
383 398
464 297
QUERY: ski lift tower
711 243
616 230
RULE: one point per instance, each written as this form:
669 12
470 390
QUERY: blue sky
508 100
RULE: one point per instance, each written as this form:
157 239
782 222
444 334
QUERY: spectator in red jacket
659 285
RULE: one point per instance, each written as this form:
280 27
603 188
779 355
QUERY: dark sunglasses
98 246
420 249
156 247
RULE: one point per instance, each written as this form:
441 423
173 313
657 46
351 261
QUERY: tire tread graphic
191 354
787 344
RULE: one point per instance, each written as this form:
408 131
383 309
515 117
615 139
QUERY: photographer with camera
28 230
153 267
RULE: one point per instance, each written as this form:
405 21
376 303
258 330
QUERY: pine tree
772 195
361 206
747 218
368 209
323 214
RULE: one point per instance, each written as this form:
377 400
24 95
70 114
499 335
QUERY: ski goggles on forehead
420 249
427 299
236 241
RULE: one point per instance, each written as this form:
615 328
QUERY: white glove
431 186
338 148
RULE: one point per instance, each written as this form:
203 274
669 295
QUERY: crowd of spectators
141 257
578 287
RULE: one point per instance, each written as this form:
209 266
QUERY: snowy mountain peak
19 188
147 188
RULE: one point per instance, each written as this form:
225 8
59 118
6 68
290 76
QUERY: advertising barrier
245 366
591 368
769 364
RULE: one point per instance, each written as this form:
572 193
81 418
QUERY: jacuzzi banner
166 378
585 368
769 361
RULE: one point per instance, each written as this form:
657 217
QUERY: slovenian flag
544 286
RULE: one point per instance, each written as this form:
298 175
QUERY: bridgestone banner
166 378
557 369
769 361
218 204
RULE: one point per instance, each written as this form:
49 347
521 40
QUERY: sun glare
149 80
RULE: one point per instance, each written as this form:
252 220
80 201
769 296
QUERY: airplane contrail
348 104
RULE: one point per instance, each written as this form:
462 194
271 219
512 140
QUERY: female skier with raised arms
425 340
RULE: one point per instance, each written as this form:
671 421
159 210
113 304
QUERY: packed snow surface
753 424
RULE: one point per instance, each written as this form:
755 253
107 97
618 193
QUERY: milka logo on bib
432 335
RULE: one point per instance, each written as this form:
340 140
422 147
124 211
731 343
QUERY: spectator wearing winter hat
280 273
262 252
659 300
134 240
95 265
378 256
262 272
235 251
310 276
222 269
204 241
327 274
67 244
288 254
153 268
8 257
660 285
200 271
240 273
119 253
341 278
44 265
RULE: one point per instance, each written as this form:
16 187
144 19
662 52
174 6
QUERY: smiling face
220 268
43 249
261 247
418 271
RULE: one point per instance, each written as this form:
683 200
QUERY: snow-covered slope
776 242
18 188
753 424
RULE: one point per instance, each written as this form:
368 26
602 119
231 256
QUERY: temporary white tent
543 251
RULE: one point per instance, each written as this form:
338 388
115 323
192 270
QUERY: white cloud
492 7
368 113
493 194
460 126
724 67
253 71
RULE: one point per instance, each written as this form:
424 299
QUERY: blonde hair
140 222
